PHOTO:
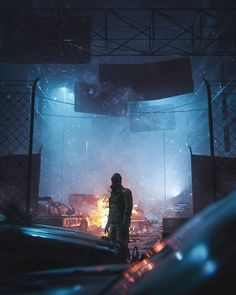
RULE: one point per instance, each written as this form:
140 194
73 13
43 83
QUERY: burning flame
137 213
98 216
134 211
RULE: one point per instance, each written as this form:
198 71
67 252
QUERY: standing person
119 218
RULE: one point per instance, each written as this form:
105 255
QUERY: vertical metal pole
164 162
193 44
200 24
86 162
153 29
63 145
62 162
106 30
212 153
150 32
191 181
30 147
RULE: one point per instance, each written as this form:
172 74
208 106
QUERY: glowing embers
158 247
130 276
137 270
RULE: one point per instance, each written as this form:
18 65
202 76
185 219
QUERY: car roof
195 259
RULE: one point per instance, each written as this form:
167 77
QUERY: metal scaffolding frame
150 31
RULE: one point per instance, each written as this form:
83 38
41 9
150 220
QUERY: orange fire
98 216
134 211
137 213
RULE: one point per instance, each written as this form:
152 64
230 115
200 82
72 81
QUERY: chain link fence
224 134
17 163
224 118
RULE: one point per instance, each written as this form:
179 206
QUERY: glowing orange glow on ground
158 247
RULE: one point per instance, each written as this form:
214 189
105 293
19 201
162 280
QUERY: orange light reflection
158 247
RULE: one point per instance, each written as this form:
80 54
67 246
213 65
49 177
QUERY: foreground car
80 280
199 258
41 247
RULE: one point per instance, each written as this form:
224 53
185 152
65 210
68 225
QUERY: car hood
59 233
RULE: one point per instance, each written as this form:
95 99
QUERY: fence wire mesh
224 134
15 98
224 118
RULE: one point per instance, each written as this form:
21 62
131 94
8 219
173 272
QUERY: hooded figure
119 218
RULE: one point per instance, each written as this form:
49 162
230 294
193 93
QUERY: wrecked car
58 214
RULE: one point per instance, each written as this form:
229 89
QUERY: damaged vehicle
140 223
58 214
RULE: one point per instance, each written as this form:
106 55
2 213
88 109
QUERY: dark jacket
120 207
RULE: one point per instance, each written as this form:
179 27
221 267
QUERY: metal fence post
30 147
212 153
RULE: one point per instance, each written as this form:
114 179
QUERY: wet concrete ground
143 241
